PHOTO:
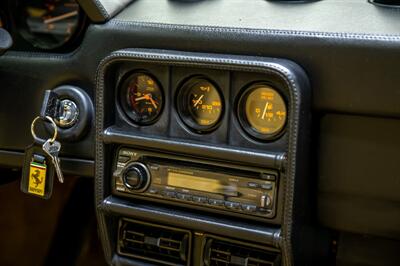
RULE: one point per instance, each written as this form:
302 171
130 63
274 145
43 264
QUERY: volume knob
136 177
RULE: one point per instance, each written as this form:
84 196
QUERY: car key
52 149
50 105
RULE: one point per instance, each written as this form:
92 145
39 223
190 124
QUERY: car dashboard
217 132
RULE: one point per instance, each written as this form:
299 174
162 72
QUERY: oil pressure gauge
200 104
262 112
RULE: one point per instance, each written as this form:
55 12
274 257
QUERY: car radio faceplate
153 176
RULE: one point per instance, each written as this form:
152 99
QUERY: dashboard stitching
342 35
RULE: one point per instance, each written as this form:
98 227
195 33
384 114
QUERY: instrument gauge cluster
200 104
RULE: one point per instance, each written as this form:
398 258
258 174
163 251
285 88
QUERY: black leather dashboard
350 51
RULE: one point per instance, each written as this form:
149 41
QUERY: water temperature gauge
141 98
200 104
262 112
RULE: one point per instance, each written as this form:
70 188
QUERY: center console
201 159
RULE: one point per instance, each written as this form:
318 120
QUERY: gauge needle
265 111
147 97
61 17
153 102
198 100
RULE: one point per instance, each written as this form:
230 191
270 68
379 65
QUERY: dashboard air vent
161 244
224 253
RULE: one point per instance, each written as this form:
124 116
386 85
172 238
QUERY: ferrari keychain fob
38 172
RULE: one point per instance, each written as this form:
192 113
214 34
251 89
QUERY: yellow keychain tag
37 178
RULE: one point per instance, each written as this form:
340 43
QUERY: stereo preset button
266 186
249 208
123 159
268 177
253 185
183 196
232 205
169 194
187 197
216 202
199 199
153 191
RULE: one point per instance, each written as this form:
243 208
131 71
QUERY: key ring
35 137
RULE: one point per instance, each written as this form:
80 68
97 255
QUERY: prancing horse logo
36 175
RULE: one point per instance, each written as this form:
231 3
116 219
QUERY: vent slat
154 243
220 251
233 254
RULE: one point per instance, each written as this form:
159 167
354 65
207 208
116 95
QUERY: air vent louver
165 245
223 253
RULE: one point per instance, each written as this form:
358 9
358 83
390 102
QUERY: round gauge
141 98
262 112
200 104
49 24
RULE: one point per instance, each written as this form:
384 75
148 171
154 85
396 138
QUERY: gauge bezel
242 116
182 105
128 112
34 40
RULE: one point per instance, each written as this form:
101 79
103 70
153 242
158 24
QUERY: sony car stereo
173 179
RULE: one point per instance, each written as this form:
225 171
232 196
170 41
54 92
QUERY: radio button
183 196
249 208
136 177
268 177
132 178
153 191
123 159
266 186
232 205
199 199
253 185
265 201
154 167
216 202
169 194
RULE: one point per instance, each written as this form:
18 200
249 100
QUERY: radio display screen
194 182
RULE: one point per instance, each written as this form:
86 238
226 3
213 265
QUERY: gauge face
141 98
200 104
49 24
262 112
